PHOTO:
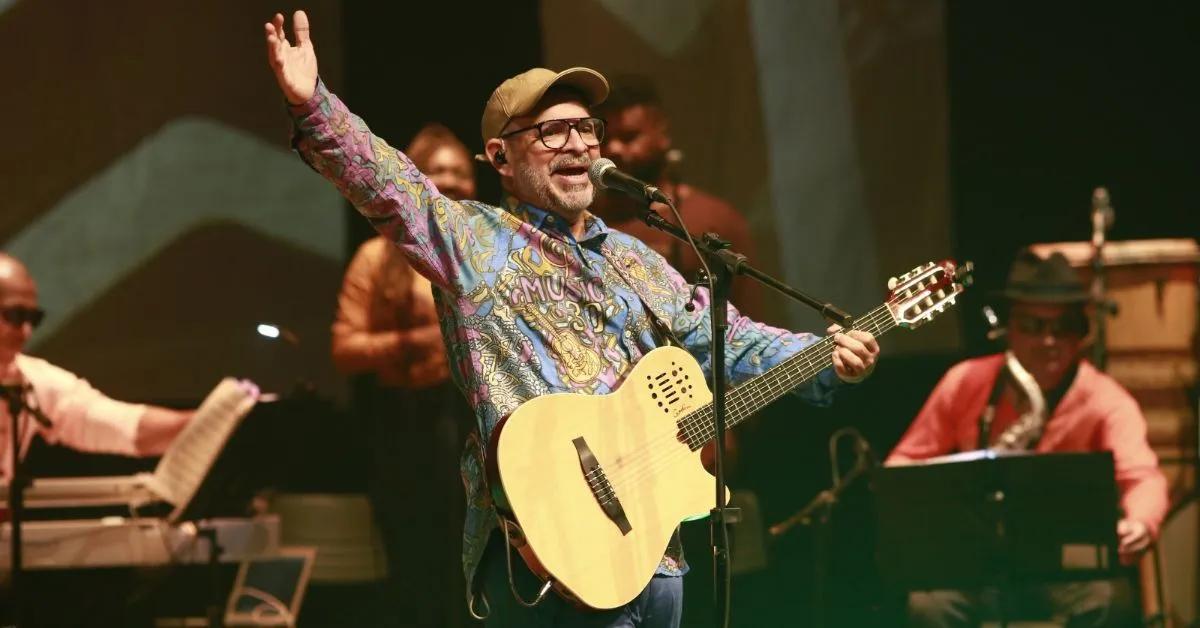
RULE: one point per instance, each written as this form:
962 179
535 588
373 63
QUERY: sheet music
186 462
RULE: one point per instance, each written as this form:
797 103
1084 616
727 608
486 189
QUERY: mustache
569 161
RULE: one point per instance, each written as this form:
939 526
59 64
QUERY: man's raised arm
380 181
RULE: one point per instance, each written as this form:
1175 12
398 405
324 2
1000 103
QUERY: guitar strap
662 330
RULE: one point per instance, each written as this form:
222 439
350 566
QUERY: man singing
537 295
1085 410
80 416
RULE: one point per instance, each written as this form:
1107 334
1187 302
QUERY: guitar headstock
922 293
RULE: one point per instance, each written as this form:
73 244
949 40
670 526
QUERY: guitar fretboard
699 426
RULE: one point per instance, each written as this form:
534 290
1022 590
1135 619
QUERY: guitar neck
745 400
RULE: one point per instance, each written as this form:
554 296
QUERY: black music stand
985 519
248 464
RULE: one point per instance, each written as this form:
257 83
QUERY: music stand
986 519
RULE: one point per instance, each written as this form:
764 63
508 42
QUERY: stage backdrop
147 183
823 122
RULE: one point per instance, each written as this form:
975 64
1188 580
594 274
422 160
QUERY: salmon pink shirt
1095 414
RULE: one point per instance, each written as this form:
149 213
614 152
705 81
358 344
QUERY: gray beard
545 196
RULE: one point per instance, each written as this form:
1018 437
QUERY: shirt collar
595 231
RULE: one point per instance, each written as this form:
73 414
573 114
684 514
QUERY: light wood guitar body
647 465
592 487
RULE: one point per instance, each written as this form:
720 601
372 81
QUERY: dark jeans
1078 604
660 605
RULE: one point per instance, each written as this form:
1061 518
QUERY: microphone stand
15 396
819 511
1102 218
723 265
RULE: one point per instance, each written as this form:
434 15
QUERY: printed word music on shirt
590 488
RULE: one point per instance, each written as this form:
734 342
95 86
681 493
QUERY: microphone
604 175
1102 215
994 329
16 388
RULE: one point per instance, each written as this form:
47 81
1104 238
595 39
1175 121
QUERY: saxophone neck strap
989 411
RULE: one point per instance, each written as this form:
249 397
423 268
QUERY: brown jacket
386 322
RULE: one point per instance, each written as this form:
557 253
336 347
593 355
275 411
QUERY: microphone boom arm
717 250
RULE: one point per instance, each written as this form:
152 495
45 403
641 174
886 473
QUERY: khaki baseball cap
520 94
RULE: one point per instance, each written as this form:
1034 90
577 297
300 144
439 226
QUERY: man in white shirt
80 416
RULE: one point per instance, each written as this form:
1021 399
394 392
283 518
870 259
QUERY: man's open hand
295 67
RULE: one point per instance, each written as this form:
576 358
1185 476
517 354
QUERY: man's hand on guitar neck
854 354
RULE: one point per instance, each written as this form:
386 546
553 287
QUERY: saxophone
1029 426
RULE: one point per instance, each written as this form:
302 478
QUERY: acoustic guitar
590 488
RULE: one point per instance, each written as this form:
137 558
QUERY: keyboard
125 542
85 492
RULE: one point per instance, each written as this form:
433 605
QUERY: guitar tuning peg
892 283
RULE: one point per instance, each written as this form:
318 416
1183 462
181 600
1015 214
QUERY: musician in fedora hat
979 403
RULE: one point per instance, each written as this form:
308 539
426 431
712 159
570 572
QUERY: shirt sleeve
751 348
932 432
83 418
1143 486
355 348
436 233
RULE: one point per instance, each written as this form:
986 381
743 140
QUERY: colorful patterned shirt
526 308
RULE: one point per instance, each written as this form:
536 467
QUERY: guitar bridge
602 489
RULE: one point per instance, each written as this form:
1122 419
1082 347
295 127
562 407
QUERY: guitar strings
703 420
636 470
700 423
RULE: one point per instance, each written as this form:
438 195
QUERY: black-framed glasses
555 133
19 315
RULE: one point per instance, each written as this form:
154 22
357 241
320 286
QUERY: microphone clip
701 278
16 394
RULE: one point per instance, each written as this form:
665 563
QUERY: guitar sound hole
668 388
